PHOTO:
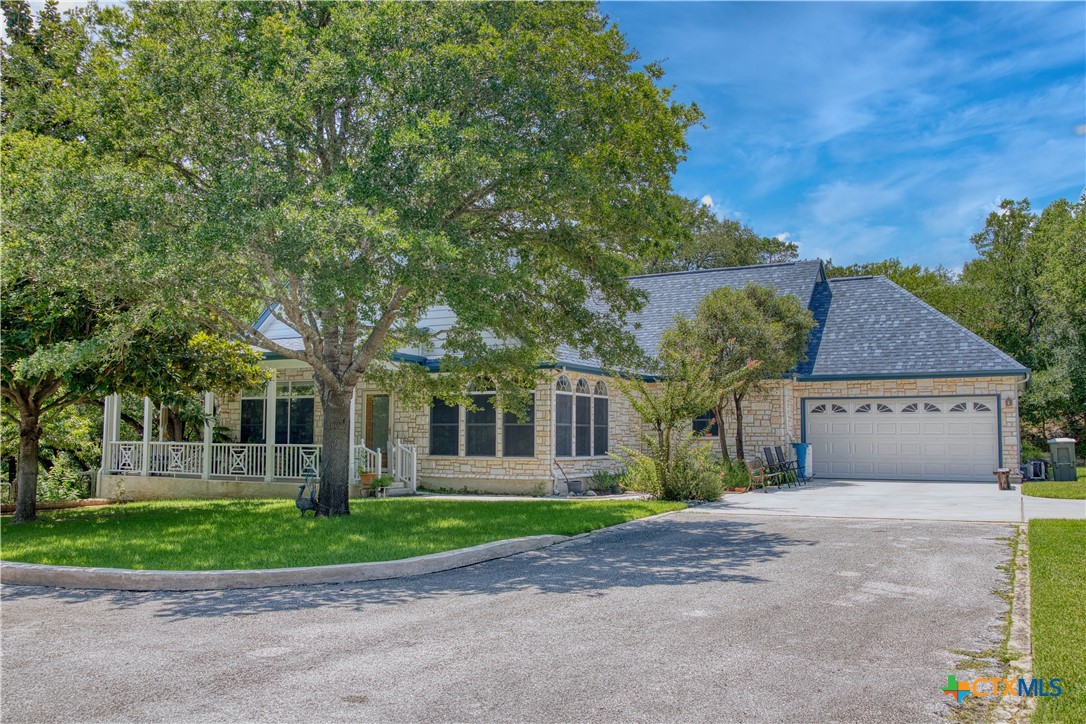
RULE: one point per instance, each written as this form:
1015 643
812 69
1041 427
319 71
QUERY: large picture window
563 418
252 417
518 434
444 428
294 414
482 433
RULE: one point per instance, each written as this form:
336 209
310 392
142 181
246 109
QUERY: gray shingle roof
870 326
681 292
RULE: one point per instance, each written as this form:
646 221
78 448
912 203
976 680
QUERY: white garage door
914 438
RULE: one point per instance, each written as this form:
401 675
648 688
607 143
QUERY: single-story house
890 389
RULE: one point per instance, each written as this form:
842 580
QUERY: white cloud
707 200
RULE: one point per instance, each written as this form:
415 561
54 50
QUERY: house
890 389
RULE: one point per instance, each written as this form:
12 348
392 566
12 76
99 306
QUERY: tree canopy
714 242
350 165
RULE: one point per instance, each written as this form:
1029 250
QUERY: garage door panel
918 438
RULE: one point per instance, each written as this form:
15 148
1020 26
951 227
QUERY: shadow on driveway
672 551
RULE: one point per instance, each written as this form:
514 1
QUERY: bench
762 476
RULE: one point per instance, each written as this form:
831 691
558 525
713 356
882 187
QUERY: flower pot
739 490
365 481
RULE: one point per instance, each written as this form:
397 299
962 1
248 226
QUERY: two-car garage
904 438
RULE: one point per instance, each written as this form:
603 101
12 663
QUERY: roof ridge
855 278
960 327
726 268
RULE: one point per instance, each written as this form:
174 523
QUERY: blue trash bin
804 459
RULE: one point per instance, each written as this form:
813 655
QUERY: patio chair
792 466
760 475
774 467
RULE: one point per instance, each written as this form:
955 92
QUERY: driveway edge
122 579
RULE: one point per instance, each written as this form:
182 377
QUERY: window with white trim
518 433
582 419
600 425
563 418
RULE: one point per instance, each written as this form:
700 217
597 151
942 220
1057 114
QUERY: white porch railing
403 459
366 460
236 460
240 460
297 461
176 458
125 457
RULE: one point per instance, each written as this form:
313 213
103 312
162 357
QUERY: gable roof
868 327
871 327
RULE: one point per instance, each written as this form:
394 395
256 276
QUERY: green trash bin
1063 458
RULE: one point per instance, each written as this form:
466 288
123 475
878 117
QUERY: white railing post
269 430
209 432
147 407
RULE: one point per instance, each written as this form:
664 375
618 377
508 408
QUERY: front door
378 422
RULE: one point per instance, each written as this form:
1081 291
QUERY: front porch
264 467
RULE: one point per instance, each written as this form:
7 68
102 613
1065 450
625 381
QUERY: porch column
354 397
115 419
107 437
147 411
209 431
269 430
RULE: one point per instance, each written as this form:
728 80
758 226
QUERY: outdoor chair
773 466
792 466
760 475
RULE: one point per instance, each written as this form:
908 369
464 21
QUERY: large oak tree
349 165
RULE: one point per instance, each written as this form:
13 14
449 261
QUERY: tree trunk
721 433
738 426
336 460
27 489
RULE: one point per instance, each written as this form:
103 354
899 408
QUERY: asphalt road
694 617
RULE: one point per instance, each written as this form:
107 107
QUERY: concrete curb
122 579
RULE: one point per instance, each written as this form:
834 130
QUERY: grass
1070 490
247 534
1057 559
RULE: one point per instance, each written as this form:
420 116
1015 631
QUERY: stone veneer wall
771 416
1006 387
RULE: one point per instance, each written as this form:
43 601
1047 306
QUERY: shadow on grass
675 551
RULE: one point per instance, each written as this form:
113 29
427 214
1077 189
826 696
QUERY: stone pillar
147 411
209 431
269 430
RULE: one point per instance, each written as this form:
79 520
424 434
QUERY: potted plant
365 479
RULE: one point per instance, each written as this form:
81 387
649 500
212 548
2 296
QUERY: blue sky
870 130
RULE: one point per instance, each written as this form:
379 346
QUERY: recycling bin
804 459
1062 450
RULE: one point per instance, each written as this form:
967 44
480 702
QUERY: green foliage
359 163
744 336
1057 561
684 471
65 480
251 533
714 243
1067 490
603 480
733 474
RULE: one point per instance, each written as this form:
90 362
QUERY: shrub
602 480
733 474
63 481
688 472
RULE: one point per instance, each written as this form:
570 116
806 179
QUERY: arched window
866 407
818 409
563 417
599 420
582 419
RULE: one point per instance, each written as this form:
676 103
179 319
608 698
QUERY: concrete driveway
901 500
697 616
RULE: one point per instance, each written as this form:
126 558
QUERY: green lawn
1066 489
1057 559
218 534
